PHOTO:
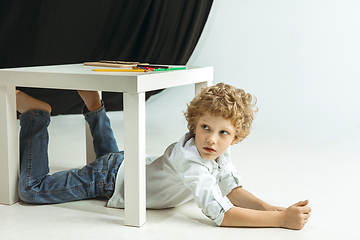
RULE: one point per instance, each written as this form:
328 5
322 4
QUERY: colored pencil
120 70
168 69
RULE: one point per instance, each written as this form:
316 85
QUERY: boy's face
213 136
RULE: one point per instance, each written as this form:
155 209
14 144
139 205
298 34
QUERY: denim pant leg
103 138
35 183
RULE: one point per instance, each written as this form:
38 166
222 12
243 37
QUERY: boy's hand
295 216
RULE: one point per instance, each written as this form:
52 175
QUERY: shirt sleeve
229 179
201 183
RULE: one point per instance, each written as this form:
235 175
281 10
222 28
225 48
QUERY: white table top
78 76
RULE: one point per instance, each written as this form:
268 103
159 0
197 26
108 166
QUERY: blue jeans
96 180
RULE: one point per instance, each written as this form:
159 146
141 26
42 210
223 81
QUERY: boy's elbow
226 222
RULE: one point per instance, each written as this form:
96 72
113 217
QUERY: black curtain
44 32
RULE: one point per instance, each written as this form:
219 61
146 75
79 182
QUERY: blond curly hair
226 101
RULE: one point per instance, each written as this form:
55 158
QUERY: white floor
281 165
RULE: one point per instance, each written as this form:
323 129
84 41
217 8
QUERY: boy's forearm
244 199
242 217
293 217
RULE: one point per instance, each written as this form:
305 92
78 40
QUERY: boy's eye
205 127
224 132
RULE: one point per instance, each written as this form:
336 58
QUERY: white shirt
180 175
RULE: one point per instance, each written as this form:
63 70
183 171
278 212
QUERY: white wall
301 59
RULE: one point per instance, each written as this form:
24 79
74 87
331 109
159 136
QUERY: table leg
200 85
9 160
134 150
90 153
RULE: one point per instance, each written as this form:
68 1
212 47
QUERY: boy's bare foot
91 99
26 103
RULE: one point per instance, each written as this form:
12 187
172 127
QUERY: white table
78 76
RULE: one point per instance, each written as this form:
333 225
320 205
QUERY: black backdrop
47 32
